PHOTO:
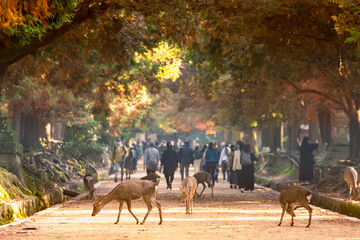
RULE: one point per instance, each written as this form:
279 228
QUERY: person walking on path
237 167
151 158
211 161
186 157
230 165
248 158
203 161
169 163
129 161
137 154
224 161
197 159
118 158
307 160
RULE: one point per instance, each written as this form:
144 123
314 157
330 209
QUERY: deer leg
350 190
128 203
159 207
282 214
148 204
212 190
191 201
120 208
196 192
290 209
203 189
187 206
306 205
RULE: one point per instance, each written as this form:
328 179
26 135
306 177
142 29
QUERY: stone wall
9 149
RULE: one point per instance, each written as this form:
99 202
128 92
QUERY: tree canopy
254 61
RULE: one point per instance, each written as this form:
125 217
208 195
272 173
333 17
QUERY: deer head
96 207
184 193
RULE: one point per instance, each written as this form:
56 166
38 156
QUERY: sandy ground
229 214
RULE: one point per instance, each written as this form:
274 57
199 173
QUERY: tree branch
317 92
10 55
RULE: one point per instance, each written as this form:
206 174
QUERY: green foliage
82 139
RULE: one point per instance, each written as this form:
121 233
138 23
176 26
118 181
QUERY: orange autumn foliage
12 11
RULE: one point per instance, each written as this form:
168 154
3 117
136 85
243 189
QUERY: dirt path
229 215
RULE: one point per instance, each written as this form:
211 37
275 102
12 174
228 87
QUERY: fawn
89 185
204 177
351 177
128 191
187 189
292 195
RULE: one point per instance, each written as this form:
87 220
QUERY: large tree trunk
274 137
314 130
293 134
31 132
354 129
325 127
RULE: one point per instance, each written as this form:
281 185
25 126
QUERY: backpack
150 165
245 159
198 154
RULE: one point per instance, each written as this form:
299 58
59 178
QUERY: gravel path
229 214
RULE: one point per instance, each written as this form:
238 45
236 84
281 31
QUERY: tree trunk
274 137
354 129
293 134
16 121
30 137
325 127
314 130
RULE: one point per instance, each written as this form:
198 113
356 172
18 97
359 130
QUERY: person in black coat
170 163
307 159
248 170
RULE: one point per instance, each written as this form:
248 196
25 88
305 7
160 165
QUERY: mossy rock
11 187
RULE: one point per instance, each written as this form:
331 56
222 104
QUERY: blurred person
223 161
118 156
248 169
203 162
211 161
197 159
186 157
169 163
230 165
307 160
137 154
129 161
151 158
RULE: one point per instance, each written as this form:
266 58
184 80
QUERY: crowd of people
236 161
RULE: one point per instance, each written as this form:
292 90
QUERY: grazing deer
351 177
128 191
89 185
292 195
187 189
204 177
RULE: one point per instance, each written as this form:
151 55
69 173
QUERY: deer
187 189
351 177
293 195
89 185
127 192
154 177
204 177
